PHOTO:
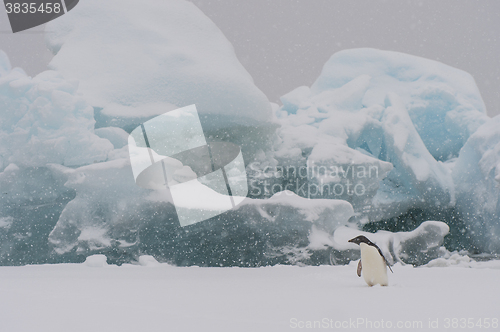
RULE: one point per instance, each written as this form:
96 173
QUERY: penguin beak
351 240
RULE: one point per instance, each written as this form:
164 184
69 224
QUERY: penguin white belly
374 269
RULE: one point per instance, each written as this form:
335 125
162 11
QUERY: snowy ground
78 297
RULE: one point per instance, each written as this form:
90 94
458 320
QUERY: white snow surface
159 297
136 61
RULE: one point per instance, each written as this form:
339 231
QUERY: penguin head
361 239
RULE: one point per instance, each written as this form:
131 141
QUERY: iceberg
111 215
66 174
31 202
45 121
443 102
378 135
403 117
477 178
145 60
106 208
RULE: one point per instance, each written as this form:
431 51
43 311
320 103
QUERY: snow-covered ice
402 114
268 230
43 120
159 297
477 178
135 62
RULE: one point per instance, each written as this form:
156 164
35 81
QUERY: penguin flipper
385 260
388 266
359 269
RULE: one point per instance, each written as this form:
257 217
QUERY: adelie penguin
372 262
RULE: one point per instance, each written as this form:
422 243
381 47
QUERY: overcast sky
285 43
